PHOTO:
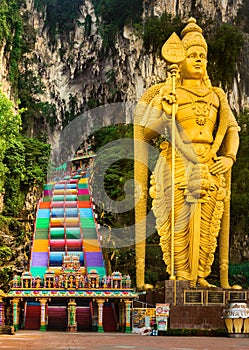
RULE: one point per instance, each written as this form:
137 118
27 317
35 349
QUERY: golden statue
200 147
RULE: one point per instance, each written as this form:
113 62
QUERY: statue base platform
198 308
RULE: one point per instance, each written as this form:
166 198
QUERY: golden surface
200 148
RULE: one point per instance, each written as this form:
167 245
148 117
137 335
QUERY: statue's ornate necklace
201 107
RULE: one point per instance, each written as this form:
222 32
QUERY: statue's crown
192 35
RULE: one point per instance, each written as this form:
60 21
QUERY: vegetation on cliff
60 16
10 35
114 15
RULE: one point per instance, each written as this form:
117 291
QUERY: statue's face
195 64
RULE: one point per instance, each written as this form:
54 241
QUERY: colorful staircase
65 225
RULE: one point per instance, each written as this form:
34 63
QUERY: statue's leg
181 238
211 215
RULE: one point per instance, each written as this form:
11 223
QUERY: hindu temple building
66 286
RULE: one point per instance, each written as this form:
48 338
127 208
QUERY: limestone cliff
77 77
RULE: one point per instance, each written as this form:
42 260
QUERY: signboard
162 323
162 315
162 310
237 296
215 297
193 297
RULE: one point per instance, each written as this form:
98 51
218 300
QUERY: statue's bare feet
225 285
236 286
203 283
192 283
145 287
148 286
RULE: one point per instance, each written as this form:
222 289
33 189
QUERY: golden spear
174 53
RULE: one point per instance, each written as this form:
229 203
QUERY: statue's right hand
167 103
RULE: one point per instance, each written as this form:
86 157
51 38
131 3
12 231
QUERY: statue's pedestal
200 308
196 316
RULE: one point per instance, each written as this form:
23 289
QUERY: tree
10 123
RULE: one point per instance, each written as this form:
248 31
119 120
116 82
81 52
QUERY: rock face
76 75
225 10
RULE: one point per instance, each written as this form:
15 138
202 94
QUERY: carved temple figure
198 149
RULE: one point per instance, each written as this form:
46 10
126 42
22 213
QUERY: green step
84 197
70 198
89 233
48 187
46 199
73 233
42 222
57 233
58 198
87 223
41 233
82 186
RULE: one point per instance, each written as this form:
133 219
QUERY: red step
32 317
84 318
57 318
109 318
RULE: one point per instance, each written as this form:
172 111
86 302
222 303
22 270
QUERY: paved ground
35 340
